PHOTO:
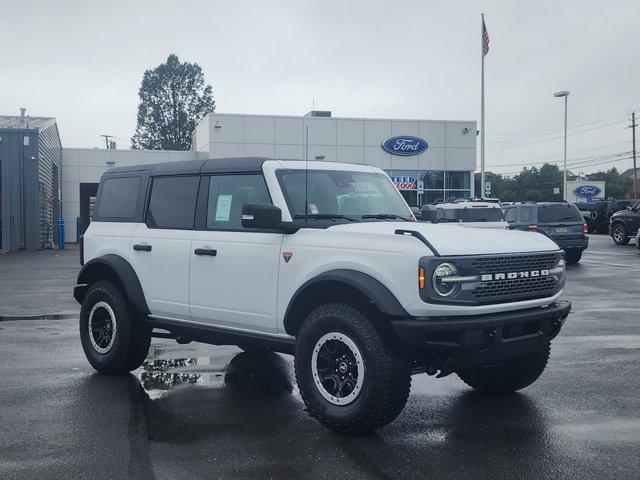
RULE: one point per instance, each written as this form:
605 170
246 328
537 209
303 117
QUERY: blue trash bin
61 239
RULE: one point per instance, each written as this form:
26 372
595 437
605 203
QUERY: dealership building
426 159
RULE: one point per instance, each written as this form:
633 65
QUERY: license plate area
562 230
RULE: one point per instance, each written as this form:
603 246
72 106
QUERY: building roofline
213 114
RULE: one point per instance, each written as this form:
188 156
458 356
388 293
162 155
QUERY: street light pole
564 94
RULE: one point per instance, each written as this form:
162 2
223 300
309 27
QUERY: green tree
615 185
173 99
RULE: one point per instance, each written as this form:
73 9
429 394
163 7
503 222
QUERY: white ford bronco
320 260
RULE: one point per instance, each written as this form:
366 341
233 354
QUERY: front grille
517 288
531 287
515 263
498 278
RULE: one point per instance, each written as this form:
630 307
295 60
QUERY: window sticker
313 210
223 208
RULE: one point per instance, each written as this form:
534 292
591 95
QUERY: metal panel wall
19 177
49 186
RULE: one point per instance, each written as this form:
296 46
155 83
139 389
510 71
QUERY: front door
234 272
160 248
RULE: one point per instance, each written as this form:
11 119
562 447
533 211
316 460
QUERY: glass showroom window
433 179
457 185
432 186
457 180
407 182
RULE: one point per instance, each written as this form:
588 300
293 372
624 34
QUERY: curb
52 316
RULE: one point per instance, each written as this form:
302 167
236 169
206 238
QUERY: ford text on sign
405 145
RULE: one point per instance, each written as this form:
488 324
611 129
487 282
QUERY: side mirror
262 216
428 216
630 208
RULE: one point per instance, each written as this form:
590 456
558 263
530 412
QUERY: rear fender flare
105 267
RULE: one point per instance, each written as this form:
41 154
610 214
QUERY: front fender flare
369 286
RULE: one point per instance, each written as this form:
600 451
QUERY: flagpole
482 187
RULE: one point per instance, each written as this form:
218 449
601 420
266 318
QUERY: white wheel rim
354 362
102 344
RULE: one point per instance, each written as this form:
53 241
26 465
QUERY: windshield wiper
386 216
324 216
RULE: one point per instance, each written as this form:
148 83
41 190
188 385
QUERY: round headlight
440 284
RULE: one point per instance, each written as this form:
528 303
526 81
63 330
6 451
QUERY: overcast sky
83 61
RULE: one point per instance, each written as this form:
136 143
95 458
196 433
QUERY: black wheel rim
102 327
338 368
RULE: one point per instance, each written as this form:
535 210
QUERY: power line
572 161
507 147
550 132
581 166
534 158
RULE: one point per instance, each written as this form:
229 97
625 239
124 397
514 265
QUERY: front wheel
573 257
115 338
619 235
508 376
350 373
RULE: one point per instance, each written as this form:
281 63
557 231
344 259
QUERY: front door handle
206 251
142 247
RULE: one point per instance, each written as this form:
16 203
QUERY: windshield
341 194
559 213
472 214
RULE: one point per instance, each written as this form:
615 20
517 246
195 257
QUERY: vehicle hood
458 240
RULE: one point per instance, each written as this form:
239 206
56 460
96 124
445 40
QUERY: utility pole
564 94
107 140
635 169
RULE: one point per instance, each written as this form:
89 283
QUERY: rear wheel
619 234
573 257
115 338
351 375
508 376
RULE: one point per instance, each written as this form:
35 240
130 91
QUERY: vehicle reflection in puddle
265 371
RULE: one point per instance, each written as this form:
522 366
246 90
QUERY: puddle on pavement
265 372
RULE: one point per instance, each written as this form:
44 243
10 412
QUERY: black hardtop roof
218 165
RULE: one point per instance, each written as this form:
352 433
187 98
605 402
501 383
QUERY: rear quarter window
119 197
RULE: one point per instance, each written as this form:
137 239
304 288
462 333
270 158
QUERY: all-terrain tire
509 376
619 234
387 377
573 257
132 334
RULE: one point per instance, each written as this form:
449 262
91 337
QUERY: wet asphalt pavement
197 411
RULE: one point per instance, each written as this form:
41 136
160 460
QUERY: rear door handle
142 247
206 251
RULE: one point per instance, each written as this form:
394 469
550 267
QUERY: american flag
485 39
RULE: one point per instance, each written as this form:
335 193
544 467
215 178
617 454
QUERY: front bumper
572 244
465 340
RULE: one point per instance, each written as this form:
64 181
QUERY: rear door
160 250
234 271
635 218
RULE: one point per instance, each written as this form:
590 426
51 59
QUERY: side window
227 195
119 197
172 203
510 214
526 215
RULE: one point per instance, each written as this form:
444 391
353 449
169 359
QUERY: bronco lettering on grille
487 277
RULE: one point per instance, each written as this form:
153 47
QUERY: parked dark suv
625 223
562 222
597 214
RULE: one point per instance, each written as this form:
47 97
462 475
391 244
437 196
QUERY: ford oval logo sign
586 191
405 145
